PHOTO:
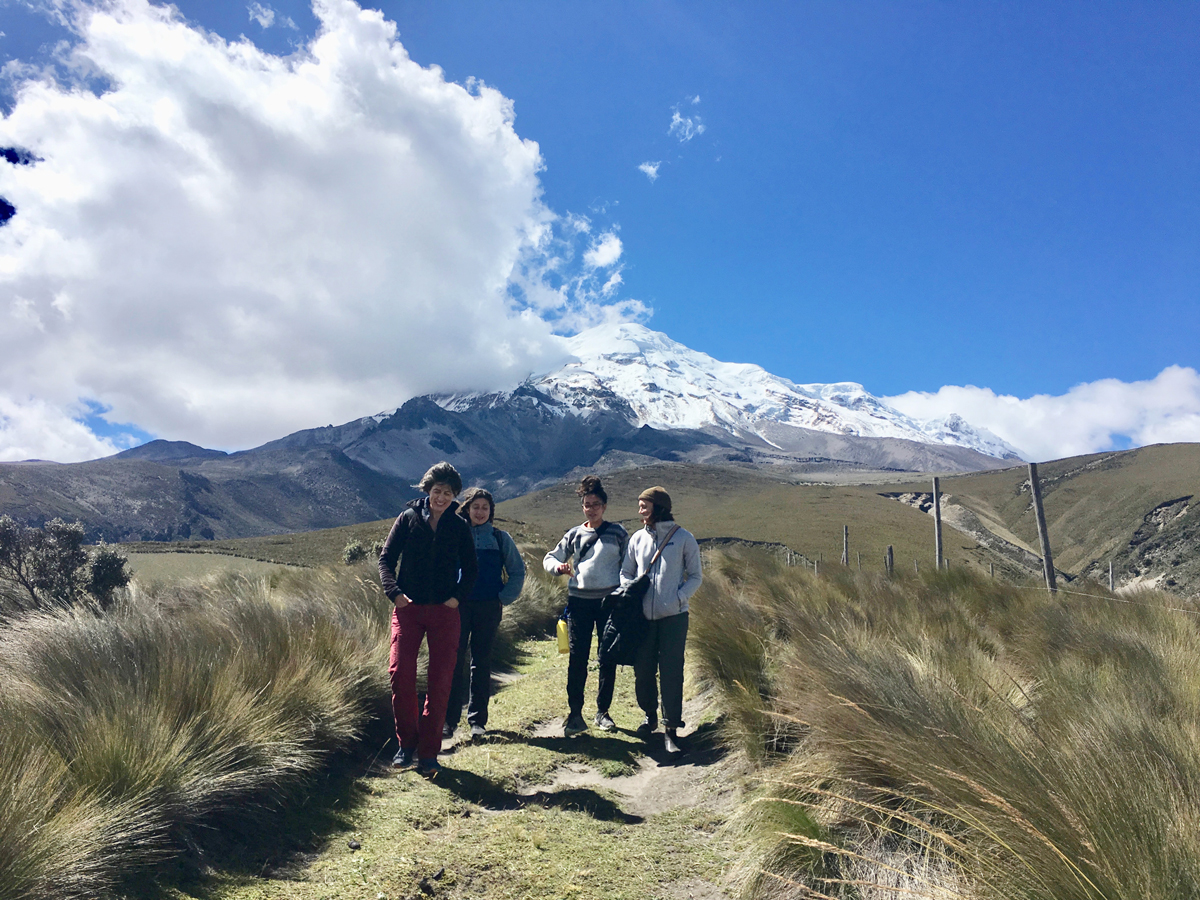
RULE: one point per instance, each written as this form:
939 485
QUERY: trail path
528 813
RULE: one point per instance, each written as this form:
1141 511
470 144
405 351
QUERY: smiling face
646 511
593 509
441 495
480 510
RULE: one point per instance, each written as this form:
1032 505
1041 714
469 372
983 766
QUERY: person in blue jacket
499 582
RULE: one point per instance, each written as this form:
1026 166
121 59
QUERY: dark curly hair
591 485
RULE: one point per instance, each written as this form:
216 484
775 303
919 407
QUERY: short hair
442 473
472 494
590 484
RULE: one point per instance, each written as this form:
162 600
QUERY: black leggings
583 618
479 623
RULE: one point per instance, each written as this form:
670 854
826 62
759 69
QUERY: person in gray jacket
673 580
501 577
591 554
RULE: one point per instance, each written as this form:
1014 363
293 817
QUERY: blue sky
913 196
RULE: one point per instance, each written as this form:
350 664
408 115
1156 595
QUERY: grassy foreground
510 817
956 737
125 737
207 738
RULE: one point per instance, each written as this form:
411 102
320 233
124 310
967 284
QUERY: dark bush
49 568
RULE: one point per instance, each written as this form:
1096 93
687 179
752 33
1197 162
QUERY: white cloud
34 429
604 252
263 15
1089 418
650 169
227 246
685 127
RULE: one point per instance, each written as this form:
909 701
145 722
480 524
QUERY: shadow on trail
492 795
702 748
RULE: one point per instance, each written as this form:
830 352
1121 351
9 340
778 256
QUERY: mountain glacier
630 369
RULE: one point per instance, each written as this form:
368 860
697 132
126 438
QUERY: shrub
353 552
48 568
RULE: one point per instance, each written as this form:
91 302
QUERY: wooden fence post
1043 533
846 545
889 561
937 523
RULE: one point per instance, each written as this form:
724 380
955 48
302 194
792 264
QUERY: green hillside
1133 507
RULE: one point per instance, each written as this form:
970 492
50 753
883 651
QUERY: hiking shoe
404 758
448 730
604 721
648 727
574 725
671 742
428 768
477 731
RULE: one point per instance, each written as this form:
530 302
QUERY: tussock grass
124 737
952 736
123 734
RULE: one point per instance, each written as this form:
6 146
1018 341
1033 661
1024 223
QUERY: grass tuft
957 735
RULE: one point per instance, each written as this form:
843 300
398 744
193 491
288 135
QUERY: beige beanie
658 496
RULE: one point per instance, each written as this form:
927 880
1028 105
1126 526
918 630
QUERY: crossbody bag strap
662 547
589 543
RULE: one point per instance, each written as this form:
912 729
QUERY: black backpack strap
588 544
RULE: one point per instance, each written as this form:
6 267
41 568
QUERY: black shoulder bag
625 626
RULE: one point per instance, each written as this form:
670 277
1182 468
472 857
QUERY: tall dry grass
123 736
953 736
122 733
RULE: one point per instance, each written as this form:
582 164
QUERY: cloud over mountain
1100 415
225 245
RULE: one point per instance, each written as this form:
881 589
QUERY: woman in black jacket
436 557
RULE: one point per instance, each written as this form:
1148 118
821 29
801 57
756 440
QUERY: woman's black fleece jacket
434 565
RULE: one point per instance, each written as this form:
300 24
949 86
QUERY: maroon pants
410 625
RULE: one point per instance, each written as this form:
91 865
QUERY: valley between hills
1135 508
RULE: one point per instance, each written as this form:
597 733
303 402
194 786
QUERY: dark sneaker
477 731
648 727
448 730
428 768
574 725
404 758
604 721
671 742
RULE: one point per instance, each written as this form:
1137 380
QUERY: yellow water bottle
564 635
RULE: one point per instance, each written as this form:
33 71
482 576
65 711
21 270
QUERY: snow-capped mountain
655 381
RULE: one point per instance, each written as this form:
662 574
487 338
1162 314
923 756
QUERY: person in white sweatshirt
591 554
673 579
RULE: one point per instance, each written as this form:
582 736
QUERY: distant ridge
164 451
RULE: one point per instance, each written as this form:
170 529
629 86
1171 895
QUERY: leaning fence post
1043 533
937 523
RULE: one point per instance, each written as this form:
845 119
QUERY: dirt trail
697 778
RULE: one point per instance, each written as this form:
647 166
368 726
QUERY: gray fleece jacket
598 570
676 575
